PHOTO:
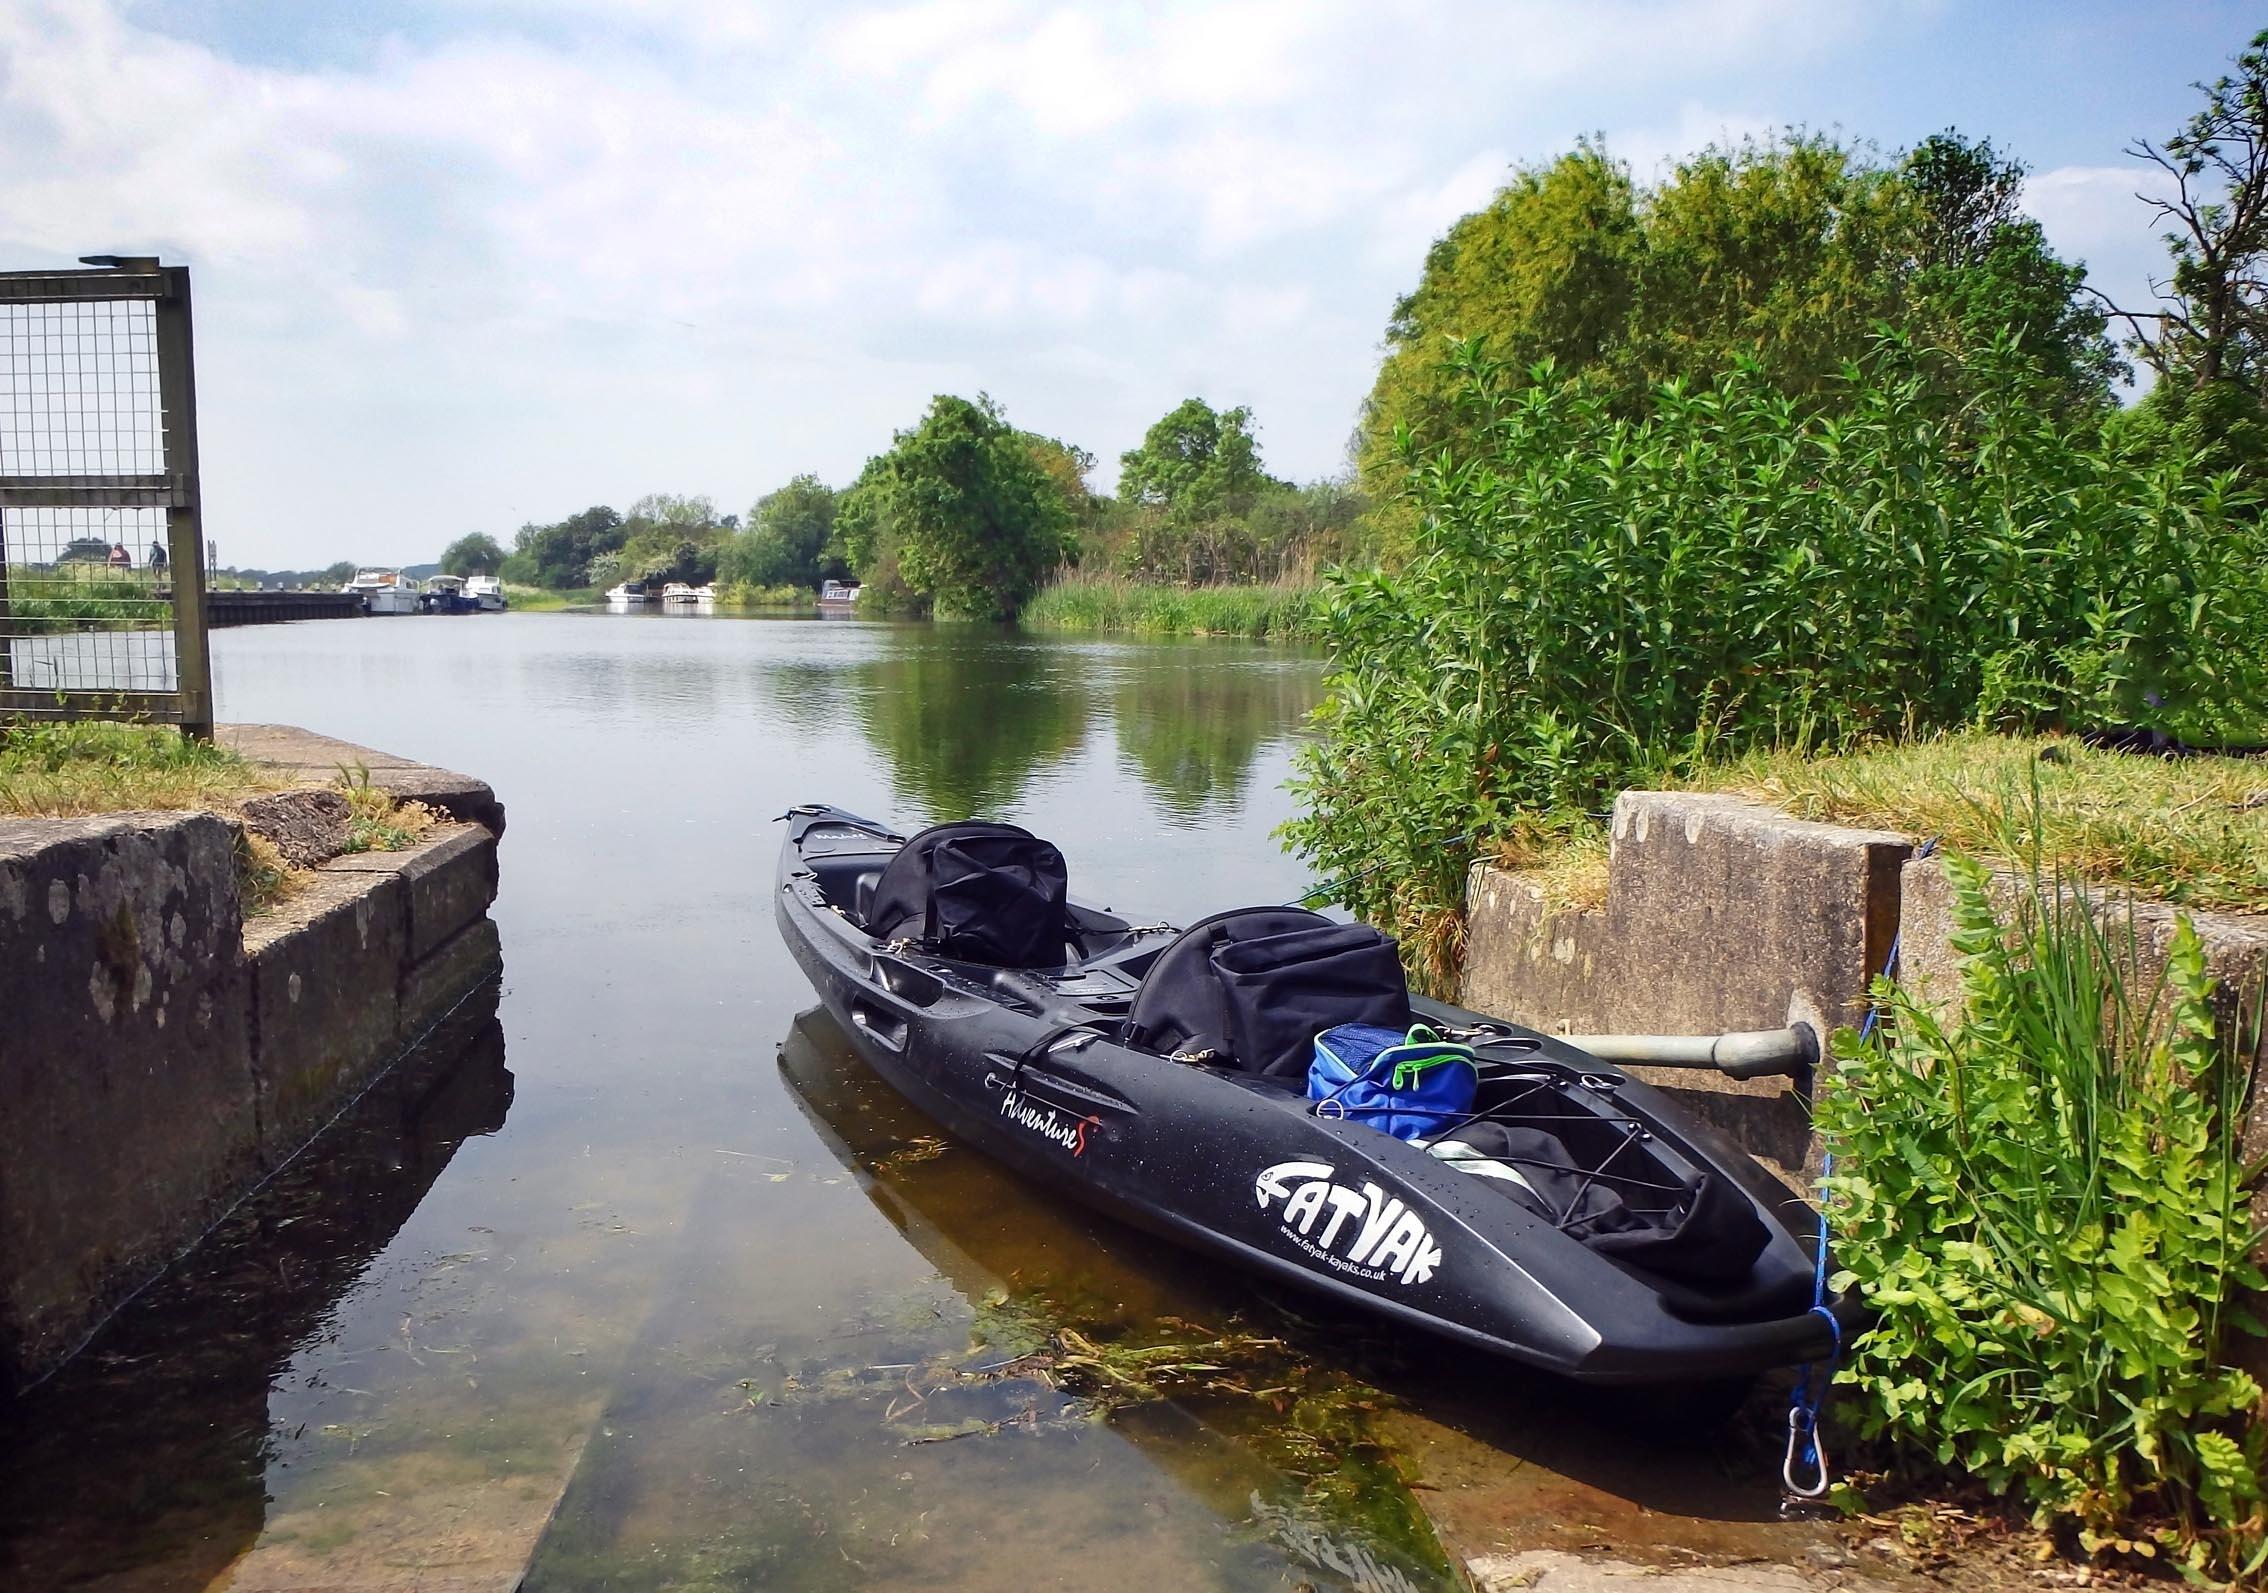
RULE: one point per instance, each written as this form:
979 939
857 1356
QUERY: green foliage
1113 603
78 595
959 510
2044 1203
1787 254
671 538
1595 600
560 555
2208 341
786 540
475 553
1196 462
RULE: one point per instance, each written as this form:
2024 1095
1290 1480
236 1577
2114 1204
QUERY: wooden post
184 519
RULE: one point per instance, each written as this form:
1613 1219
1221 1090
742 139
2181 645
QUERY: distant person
157 558
120 559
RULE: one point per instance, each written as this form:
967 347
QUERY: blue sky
460 266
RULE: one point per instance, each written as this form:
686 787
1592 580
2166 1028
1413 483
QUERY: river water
645 1282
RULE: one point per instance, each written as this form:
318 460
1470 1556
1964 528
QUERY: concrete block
326 758
1720 914
1736 916
445 976
128 1113
449 879
326 1013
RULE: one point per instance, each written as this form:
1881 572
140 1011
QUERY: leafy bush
2044 1202
1595 600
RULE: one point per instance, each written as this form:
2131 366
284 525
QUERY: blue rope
1805 1402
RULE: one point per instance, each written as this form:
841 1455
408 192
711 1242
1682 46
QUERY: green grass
544 600
69 770
69 596
2193 831
1113 603
739 594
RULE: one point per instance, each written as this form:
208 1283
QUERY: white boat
487 593
838 597
679 592
704 594
627 592
384 592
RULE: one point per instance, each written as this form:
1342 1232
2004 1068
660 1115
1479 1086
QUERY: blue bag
1408 1085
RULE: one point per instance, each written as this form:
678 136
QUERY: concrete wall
1724 914
1720 915
159 1056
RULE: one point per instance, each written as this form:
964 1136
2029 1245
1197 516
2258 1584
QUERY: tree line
1782 258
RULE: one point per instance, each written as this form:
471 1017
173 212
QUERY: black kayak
1571 1219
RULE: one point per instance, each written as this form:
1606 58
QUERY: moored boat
678 592
445 594
1571 1219
627 592
384 592
838 597
486 592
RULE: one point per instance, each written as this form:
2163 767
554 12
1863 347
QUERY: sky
461 266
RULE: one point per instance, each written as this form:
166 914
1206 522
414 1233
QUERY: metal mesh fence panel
101 594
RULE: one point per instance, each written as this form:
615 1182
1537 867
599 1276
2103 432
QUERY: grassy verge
76 770
739 594
69 770
70 596
2191 831
543 599
1113 603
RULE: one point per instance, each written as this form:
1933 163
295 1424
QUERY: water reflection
1191 732
151 1451
1281 1453
962 717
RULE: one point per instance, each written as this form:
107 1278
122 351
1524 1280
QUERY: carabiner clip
1804 1448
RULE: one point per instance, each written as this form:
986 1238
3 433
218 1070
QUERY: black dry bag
982 892
1255 986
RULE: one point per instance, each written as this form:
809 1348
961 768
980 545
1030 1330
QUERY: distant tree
559 556
786 543
1196 462
961 510
475 553
84 550
339 574
2208 340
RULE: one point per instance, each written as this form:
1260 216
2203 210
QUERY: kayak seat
862 894
1252 987
975 891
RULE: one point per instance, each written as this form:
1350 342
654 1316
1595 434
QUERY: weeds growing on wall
2045 1203
1595 601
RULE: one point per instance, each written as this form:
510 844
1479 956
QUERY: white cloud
524 256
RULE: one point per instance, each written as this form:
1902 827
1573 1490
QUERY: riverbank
2192 831
176 1034
1112 603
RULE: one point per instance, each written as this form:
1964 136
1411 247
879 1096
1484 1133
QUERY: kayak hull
1238 1167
